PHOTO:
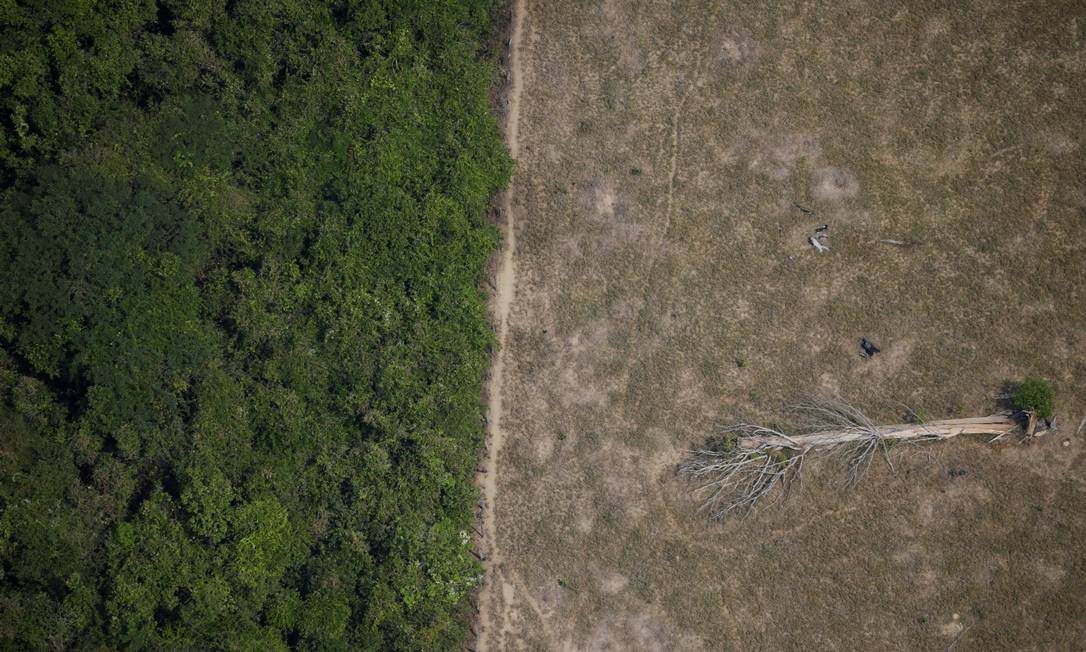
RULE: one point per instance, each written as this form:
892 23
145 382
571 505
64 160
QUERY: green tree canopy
241 335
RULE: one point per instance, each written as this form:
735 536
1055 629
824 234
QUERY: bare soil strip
503 300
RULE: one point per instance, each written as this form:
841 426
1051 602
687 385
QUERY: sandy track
503 300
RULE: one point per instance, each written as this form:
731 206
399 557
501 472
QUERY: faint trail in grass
676 117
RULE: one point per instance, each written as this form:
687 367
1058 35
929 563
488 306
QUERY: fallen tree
746 464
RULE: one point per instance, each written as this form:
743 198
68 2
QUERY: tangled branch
734 478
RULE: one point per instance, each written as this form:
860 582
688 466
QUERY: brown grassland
664 286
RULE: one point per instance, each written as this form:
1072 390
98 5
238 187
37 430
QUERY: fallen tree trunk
745 464
996 424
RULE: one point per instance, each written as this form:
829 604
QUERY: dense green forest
242 336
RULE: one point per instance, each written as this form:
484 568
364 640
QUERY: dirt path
503 300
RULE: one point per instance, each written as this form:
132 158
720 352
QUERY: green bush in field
1035 395
241 337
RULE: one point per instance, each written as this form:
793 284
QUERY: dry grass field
665 285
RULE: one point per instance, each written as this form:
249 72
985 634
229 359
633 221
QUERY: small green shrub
726 443
1035 395
780 455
